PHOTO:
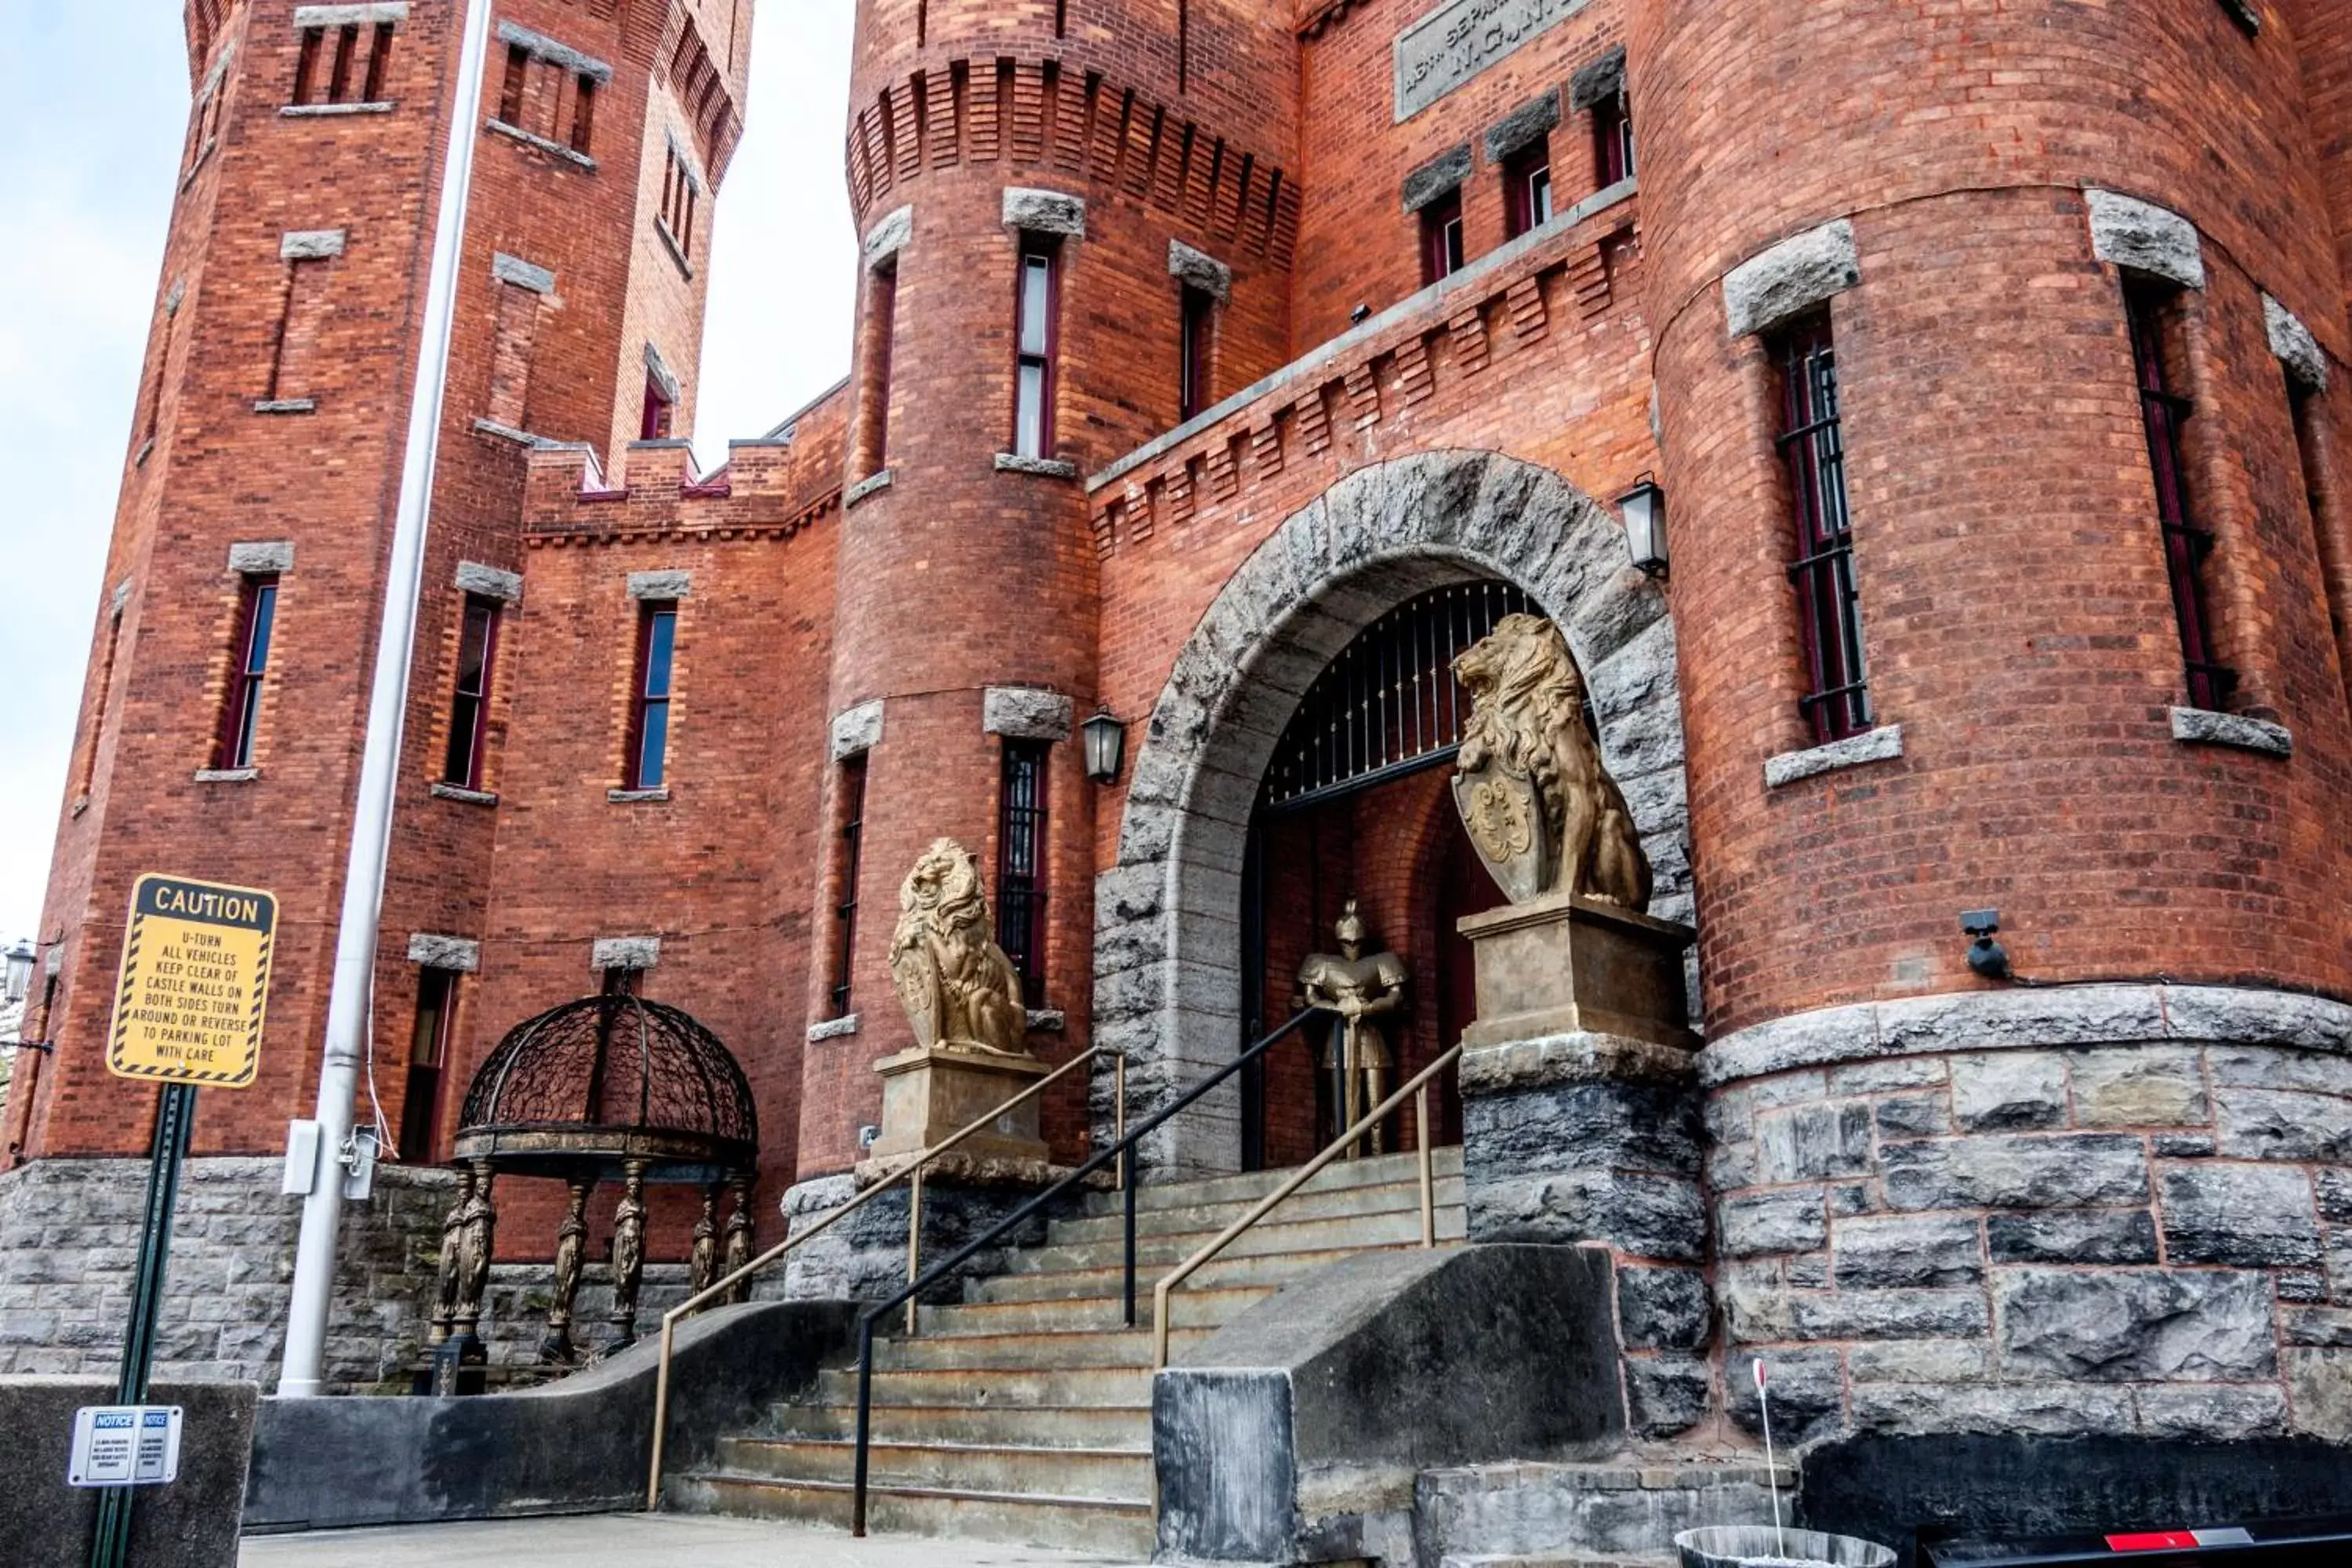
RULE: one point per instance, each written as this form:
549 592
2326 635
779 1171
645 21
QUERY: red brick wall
2016 614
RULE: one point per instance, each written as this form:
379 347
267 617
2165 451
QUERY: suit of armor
1360 988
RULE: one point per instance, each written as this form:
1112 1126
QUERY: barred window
845 910
1837 700
1021 864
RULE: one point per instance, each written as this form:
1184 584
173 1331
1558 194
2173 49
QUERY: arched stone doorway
1168 971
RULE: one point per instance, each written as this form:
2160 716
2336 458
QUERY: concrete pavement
636 1541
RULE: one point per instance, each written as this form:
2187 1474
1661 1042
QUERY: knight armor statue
1360 988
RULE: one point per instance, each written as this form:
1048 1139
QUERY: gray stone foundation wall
69 1240
864 1258
2117 1210
1594 1141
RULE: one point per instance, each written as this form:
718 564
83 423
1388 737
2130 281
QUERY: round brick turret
2017 622
1135 163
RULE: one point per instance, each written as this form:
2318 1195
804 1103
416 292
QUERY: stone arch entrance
1168 979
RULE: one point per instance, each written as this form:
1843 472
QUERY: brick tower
1001 161
220 735
2040 384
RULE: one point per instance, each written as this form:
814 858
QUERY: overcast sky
93 108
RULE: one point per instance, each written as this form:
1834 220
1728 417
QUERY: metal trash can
2285 1543
1751 1545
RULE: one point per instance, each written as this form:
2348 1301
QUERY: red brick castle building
1223 367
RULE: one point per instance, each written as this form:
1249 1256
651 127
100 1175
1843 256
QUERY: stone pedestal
931 1094
1562 965
1580 1125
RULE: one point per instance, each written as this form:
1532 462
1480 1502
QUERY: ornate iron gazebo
610 1088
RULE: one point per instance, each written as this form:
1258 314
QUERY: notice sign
124 1445
196 979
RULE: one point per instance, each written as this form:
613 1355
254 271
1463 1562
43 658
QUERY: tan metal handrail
912 1173
1418 1090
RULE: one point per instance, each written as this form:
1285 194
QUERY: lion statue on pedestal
960 988
1540 808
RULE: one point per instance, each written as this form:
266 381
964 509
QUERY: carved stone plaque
1462 38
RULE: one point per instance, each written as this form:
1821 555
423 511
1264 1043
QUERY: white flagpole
355 942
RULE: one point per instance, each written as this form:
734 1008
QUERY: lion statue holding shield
1540 808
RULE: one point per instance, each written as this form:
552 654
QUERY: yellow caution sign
195 982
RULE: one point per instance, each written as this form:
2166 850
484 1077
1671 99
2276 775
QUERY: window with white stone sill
342 66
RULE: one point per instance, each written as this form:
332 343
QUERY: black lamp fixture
20 972
1644 508
1106 740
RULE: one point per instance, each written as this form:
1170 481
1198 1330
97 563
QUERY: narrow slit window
1836 703
1613 137
655 426
845 909
306 63
649 760
511 88
584 114
1199 337
347 45
1526 189
469 708
881 329
2187 546
429 1055
2311 464
1033 415
1441 238
379 63
1021 864
248 668
88 773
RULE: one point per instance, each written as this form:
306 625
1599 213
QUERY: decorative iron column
739 1235
571 1244
629 1253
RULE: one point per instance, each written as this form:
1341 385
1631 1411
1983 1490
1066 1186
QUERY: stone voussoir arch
1167 943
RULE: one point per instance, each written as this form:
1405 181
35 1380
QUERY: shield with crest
1504 819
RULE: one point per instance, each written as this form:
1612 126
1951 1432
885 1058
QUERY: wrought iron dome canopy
584 1089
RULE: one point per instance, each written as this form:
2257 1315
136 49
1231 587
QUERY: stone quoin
1225 370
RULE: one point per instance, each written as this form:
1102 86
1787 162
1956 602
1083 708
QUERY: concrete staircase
1024 1414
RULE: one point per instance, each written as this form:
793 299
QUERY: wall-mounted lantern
1643 508
1106 740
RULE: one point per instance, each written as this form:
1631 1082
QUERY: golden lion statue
1540 809
960 991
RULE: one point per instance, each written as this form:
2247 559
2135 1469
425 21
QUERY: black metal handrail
1122 1150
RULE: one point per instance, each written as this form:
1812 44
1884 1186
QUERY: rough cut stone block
1882 1253
1666 1394
2145 237
2297 350
2264 1124
1760 1223
2211 1414
660 585
2319 1382
2136 1327
1889 1076
261 559
2253 1217
444 952
1791 277
889 234
1044 212
2009 1091
2140 1086
1890 1314
1880 745
2326 1326
1200 269
856 731
489 581
1655 1217
1909 1408
2335 1196
1813 1142
2235 1015
1527 124
1597 82
1661 1309
1915 1116
311 245
523 274
1434 179
1026 713
1808 1391
2110 1237
626 952
1920 1361
2203 726
2262 1066
2015 1173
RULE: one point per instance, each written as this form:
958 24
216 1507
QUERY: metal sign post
188 1010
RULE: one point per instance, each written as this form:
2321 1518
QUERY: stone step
1208 1218
1190 1309
1078 1348
1278 1234
1554 1560
1033 1425
1274 1269
1247 1187
1116 1530
1111 1475
991 1386
1574 1512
